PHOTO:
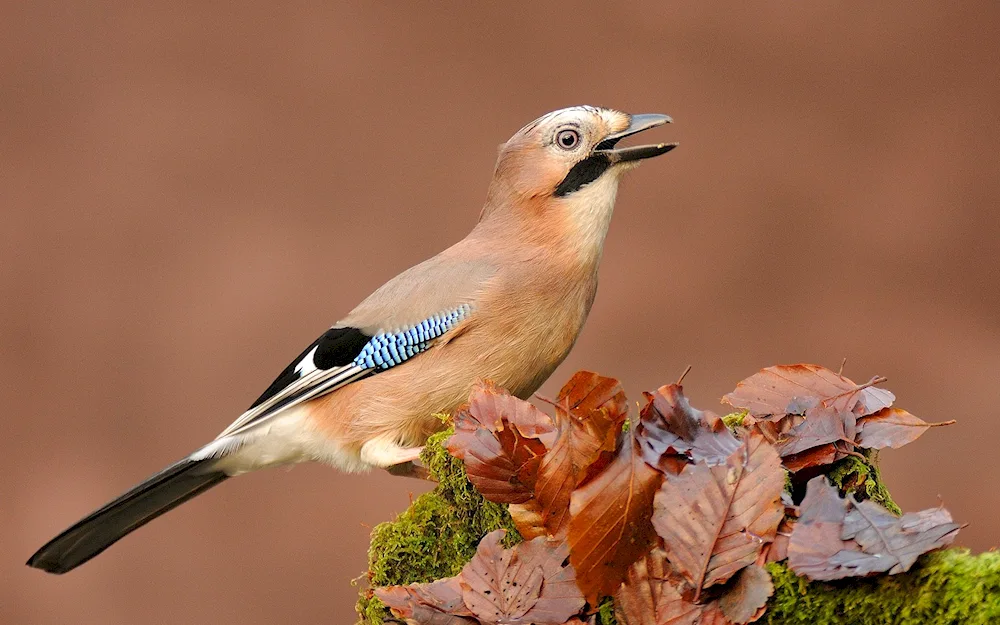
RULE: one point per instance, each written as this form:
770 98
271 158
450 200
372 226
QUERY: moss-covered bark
438 534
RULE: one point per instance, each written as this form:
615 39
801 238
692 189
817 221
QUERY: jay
506 303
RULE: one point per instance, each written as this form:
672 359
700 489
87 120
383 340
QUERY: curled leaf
891 427
499 437
836 538
587 391
671 427
436 603
590 411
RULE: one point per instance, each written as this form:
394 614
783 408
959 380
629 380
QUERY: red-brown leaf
787 389
526 584
529 518
499 437
817 456
590 410
560 594
891 427
714 520
437 603
610 524
837 538
893 543
649 596
778 550
671 427
587 391
821 426
583 434
746 600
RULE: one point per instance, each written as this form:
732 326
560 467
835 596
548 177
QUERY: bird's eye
568 139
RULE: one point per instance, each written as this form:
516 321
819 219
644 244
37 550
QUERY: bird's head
568 164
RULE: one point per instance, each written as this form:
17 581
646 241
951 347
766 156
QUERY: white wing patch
308 363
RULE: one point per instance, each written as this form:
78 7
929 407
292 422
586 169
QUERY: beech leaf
879 533
786 389
817 456
587 391
528 584
649 596
670 426
836 538
436 603
590 411
891 427
610 524
714 520
499 437
746 600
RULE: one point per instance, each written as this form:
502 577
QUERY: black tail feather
90 536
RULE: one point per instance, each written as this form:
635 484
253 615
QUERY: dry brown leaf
493 589
892 543
817 456
821 426
671 427
714 520
436 603
529 584
587 391
650 597
560 593
837 538
778 550
590 411
610 524
746 600
891 427
499 437
787 389
529 519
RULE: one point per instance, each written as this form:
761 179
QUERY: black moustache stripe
582 174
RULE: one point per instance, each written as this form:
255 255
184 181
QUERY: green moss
734 420
436 536
862 478
946 588
606 612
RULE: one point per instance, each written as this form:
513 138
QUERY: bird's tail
101 529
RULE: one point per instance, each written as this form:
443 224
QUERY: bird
504 304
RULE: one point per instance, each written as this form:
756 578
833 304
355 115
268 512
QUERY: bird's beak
639 152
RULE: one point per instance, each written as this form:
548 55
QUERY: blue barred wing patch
388 349
341 356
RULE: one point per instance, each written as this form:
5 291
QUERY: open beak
639 152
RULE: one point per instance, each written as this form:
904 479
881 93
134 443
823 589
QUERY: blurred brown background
192 192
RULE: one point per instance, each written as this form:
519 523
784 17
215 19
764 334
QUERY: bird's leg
394 458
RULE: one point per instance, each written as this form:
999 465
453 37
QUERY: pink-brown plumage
506 304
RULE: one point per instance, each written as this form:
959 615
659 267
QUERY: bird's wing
404 317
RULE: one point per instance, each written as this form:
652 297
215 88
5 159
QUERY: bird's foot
411 469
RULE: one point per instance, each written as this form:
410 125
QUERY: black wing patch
337 347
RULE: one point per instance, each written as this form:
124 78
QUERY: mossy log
438 534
